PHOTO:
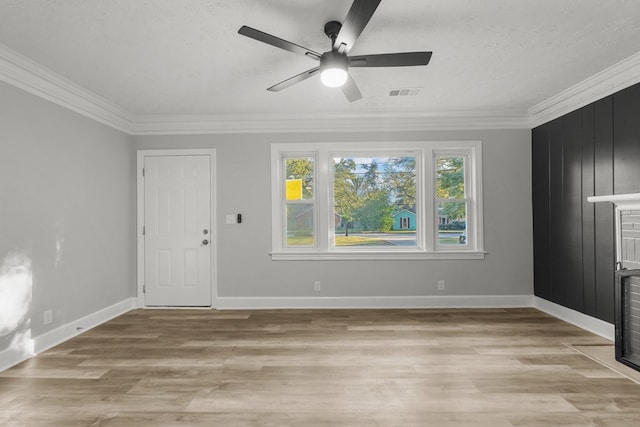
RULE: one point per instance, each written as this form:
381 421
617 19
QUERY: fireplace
627 301
627 279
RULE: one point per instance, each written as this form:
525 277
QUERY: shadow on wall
16 284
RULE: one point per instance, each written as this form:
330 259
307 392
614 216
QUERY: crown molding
21 72
323 122
607 82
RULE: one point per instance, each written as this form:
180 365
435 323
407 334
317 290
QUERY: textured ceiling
184 57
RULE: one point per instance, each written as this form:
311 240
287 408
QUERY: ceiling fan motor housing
331 29
334 59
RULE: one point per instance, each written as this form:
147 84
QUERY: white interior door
177 230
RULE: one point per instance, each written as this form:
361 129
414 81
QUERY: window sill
378 256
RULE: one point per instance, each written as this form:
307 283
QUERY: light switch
231 219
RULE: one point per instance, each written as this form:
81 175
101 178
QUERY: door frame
141 155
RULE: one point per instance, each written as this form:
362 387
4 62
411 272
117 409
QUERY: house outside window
417 200
404 220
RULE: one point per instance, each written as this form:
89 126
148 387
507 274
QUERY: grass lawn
449 240
340 241
453 239
299 240
360 241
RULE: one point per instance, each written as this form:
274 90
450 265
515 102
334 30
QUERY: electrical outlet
441 285
47 317
317 286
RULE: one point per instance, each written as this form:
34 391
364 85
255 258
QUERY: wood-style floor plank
427 367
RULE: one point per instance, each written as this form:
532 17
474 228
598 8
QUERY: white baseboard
450 301
18 351
591 324
12 356
65 332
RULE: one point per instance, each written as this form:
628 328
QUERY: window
373 197
451 198
418 200
299 201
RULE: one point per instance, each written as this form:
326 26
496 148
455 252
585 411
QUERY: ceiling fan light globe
334 77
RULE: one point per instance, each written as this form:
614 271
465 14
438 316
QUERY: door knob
205 242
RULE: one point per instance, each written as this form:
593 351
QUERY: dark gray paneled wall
592 151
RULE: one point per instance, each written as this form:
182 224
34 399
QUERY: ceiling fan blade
390 59
293 80
350 90
277 42
358 17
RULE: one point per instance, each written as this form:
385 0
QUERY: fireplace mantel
624 201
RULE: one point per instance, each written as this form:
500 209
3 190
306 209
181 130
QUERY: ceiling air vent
407 91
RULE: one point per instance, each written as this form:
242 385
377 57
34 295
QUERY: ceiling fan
334 64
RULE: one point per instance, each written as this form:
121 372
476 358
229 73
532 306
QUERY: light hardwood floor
489 367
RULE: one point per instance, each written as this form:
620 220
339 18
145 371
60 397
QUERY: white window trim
426 211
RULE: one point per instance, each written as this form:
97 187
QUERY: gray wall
245 268
66 212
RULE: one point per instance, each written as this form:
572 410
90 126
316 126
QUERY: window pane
299 178
450 177
452 223
300 224
375 201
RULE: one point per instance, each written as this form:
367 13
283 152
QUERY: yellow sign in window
294 189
